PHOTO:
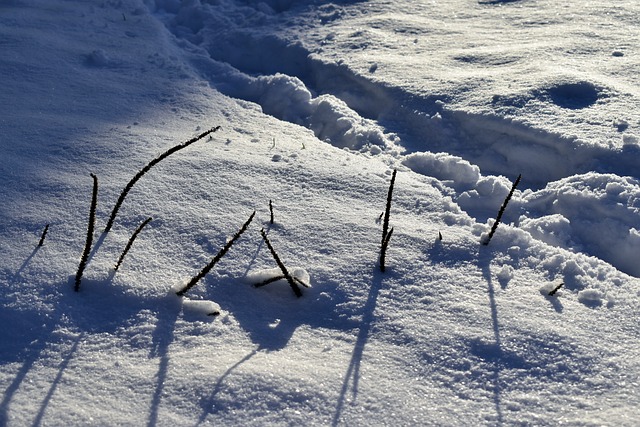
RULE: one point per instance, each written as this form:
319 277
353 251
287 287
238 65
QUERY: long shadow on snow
56 381
352 376
98 307
271 314
167 315
90 310
209 405
493 351
41 335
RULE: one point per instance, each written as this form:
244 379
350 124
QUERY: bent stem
285 272
145 169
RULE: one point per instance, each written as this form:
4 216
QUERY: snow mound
598 214
591 297
200 309
485 199
445 167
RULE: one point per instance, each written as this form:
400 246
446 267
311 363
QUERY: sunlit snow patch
200 308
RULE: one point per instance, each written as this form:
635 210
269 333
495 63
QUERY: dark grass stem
501 211
131 240
44 235
556 289
383 251
145 169
215 259
271 212
276 278
90 228
285 272
386 234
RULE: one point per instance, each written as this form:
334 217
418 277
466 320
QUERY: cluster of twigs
294 282
116 208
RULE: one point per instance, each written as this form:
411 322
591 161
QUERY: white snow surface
318 102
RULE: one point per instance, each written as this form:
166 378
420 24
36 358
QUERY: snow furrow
237 48
352 111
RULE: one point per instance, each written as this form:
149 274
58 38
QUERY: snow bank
594 213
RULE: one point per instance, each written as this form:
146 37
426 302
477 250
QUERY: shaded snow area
318 103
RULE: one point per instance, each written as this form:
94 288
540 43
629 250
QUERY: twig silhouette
556 289
90 227
285 272
501 211
215 259
386 234
131 240
271 211
145 169
44 235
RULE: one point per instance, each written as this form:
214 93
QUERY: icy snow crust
318 102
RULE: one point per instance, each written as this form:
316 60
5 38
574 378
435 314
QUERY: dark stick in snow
501 211
386 234
90 227
145 169
217 258
131 240
556 289
271 211
285 272
44 235
383 252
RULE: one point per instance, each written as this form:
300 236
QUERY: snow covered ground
318 103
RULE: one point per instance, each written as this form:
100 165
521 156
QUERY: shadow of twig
56 381
352 376
30 357
162 339
555 302
484 262
210 402
26 263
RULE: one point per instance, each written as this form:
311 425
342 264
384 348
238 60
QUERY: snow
318 103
